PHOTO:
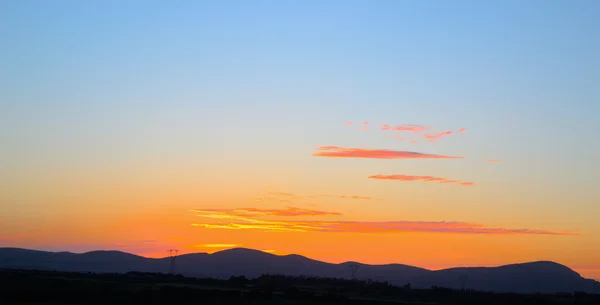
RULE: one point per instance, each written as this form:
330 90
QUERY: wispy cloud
436 136
296 196
271 199
405 127
492 160
291 211
356 197
341 152
234 222
287 195
416 129
344 197
420 178
348 123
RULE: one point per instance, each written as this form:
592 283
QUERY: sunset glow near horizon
434 134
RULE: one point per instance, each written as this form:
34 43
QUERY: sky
428 133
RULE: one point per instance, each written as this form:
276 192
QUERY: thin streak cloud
405 127
295 196
356 197
436 136
234 222
420 178
341 152
291 211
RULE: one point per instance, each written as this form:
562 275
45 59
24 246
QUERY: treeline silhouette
54 287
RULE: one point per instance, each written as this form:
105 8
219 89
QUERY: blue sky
305 66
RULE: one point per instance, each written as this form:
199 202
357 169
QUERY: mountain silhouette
541 276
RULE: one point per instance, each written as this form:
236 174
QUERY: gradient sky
202 125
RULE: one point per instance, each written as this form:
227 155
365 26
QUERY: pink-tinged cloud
405 127
365 123
234 222
291 211
341 152
319 196
437 135
348 123
414 142
420 178
399 138
492 160
462 130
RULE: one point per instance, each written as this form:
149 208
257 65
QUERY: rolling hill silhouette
542 276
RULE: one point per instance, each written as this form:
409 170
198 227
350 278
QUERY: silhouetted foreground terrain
53 287
544 277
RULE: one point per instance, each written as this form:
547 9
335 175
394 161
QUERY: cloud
270 199
492 160
233 222
295 196
291 211
462 130
356 197
341 152
283 194
419 178
348 123
287 195
436 136
405 127
345 197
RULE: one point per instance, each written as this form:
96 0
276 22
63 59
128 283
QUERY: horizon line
290 254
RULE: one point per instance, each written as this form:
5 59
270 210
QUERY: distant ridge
530 277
